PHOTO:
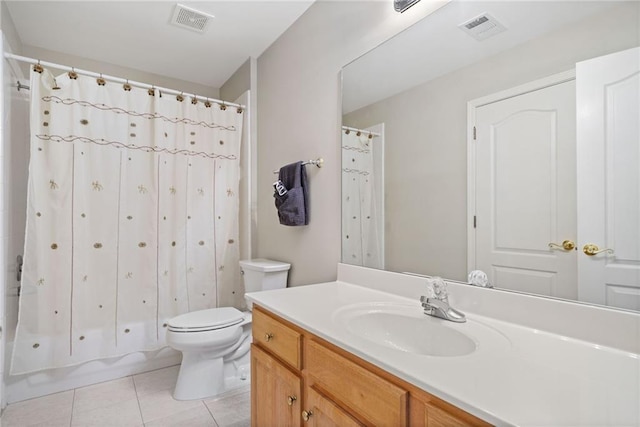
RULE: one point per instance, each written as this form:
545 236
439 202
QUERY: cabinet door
436 417
321 412
428 411
275 392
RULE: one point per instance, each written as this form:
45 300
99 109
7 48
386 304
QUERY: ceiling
436 46
138 35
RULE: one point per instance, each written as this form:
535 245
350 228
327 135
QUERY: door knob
306 415
291 399
268 336
591 249
567 245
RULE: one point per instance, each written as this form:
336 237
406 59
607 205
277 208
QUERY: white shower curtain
362 227
132 218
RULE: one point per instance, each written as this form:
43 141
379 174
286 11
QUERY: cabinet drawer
276 337
372 398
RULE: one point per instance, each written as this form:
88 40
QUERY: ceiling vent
191 19
482 27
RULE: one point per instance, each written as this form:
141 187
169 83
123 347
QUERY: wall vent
191 19
482 27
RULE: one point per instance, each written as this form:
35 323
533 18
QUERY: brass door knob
268 336
306 415
291 400
591 249
567 245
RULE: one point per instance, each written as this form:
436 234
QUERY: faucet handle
479 278
439 288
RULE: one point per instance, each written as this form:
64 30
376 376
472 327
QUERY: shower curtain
361 222
132 218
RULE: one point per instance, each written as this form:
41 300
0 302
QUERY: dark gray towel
293 205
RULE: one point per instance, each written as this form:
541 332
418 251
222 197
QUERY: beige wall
426 146
238 83
243 80
9 29
299 118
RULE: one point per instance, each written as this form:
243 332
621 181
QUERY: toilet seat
206 320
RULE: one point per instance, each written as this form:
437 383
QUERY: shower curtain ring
179 97
194 99
101 81
127 86
72 74
207 103
222 106
38 68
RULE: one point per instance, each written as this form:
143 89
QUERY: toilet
215 343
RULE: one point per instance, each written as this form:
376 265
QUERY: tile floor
139 400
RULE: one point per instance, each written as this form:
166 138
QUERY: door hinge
474 133
474 221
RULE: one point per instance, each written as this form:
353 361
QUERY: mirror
422 94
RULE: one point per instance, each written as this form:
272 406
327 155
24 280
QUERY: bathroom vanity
299 377
359 351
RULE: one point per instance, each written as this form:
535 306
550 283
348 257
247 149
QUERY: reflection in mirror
500 149
362 191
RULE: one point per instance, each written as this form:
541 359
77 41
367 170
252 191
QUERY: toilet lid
205 320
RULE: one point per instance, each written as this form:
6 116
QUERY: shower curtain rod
366 132
117 79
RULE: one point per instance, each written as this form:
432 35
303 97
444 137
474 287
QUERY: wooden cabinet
370 397
275 392
429 411
298 379
278 338
322 412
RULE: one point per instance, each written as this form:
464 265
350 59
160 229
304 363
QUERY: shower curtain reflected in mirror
132 218
363 196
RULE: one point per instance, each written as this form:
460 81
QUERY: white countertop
517 376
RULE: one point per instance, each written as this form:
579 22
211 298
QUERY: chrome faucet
438 306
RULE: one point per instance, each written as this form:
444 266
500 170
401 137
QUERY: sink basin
406 328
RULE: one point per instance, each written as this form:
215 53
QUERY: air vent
191 19
482 27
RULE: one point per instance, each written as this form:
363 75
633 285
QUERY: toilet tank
264 274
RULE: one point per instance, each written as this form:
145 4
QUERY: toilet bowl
215 342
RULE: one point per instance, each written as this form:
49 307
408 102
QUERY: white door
525 186
608 99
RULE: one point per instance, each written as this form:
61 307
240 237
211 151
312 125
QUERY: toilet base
199 377
220 366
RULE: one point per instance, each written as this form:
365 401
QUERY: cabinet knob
291 399
268 336
306 415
